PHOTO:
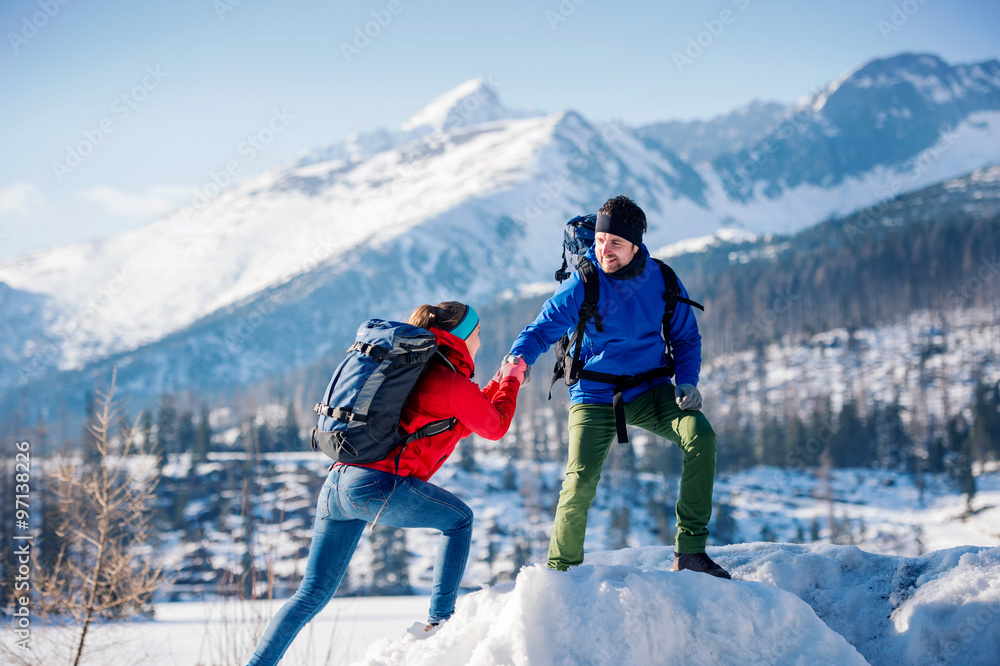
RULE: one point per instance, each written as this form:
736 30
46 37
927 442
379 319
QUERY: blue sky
166 93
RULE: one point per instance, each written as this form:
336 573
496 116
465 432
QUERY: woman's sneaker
701 563
420 631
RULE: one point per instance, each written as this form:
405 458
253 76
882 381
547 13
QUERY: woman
354 495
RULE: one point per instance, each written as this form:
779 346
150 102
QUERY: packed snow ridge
787 604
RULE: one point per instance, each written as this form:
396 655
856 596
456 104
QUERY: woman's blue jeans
352 497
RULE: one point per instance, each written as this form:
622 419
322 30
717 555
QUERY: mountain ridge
437 220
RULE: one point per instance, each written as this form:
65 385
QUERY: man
624 347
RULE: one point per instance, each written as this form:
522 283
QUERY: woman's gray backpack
359 415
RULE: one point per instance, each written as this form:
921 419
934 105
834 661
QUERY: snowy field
919 585
787 604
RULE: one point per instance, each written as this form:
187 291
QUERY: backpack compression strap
567 365
588 311
621 383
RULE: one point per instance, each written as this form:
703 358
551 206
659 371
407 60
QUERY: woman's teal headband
468 324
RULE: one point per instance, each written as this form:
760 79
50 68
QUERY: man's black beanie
619 227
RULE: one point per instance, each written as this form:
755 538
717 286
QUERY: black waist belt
621 383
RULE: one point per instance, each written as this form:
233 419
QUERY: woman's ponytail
425 316
444 316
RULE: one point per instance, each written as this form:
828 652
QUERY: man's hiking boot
701 563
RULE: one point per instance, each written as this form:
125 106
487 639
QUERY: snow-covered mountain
472 103
703 140
465 200
889 125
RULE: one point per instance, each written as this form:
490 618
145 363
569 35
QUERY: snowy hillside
465 200
928 362
880 511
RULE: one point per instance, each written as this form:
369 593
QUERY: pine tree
165 437
618 529
185 433
663 513
849 446
522 554
90 453
800 534
466 451
772 446
146 431
893 445
963 474
390 562
724 531
286 435
202 438
936 454
814 534
985 435
624 469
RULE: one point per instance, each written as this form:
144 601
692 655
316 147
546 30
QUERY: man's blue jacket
631 313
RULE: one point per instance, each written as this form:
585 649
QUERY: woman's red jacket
442 393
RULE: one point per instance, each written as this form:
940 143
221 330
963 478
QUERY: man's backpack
359 415
578 238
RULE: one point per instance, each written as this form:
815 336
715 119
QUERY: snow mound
787 604
943 607
620 614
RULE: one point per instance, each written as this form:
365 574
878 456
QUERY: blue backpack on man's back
359 415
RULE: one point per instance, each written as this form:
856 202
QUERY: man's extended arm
558 315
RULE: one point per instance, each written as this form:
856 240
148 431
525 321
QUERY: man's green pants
591 432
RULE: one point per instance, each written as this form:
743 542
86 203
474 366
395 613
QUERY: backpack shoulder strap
673 293
671 297
568 348
434 427
591 293
445 360
588 310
